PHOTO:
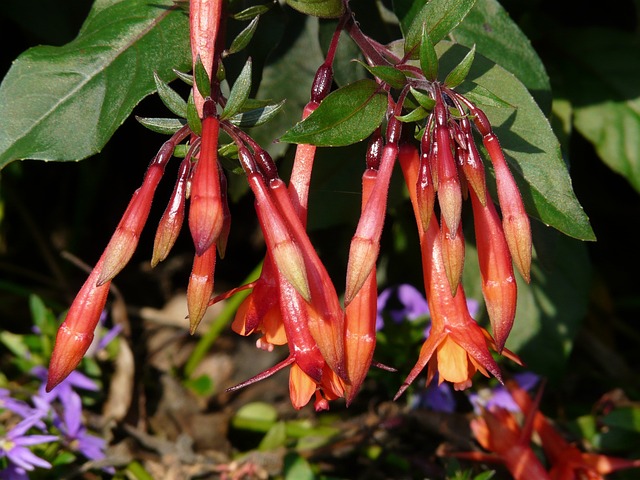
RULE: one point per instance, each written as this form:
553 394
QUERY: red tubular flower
460 345
365 243
204 25
425 188
448 184
172 218
76 332
286 253
206 214
452 255
515 221
326 317
567 461
200 287
124 241
360 317
499 286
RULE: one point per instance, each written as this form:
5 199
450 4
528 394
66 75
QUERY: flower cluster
294 302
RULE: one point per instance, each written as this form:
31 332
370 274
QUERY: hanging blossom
294 302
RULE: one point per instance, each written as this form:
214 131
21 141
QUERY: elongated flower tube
425 189
124 241
453 255
448 184
75 334
206 213
568 462
515 221
285 252
360 317
204 27
326 317
200 287
499 286
172 218
365 244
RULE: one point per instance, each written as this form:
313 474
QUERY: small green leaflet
318 8
346 116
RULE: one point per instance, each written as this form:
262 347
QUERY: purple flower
402 302
65 389
438 398
14 445
14 405
499 396
75 433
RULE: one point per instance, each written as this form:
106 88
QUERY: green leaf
458 74
428 57
251 12
193 118
171 99
482 96
414 116
256 416
239 92
423 99
603 88
244 37
203 82
347 115
498 37
257 116
166 126
65 103
275 437
389 75
531 148
297 468
318 8
627 418
438 17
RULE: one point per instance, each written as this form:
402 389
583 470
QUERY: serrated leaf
239 92
347 115
489 26
65 103
201 77
531 148
389 75
257 116
458 74
251 12
171 99
244 37
166 126
318 8
439 17
428 56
